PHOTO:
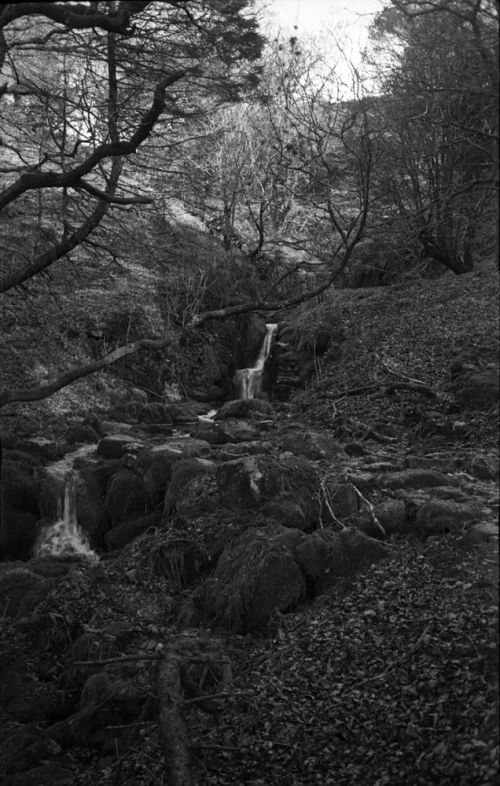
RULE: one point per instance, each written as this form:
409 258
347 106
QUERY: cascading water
65 537
249 380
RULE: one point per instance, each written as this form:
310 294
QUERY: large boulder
193 490
126 497
15 585
439 516
115 446
251 482
121 535
325 556
255 576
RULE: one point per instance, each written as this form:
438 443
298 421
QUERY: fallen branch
371 510
171 727
386 388
326 498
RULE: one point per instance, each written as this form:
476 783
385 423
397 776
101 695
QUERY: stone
44 448
232 430
442 516
416 479
119 536
117 445
18 532
50 773
311 444
483 469
193 489
255 576
477 389
15 584
248 483
344 499
125 496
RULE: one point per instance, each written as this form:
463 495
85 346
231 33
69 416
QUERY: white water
249 380
65 537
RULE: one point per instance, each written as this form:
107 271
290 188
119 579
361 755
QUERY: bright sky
347 19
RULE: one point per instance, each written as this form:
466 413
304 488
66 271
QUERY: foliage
438 126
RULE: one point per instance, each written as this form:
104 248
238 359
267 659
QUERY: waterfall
65 537
249 380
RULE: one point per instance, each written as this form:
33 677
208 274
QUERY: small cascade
65 537
249 380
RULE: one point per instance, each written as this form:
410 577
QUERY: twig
121 659
326 498
371 510
223 695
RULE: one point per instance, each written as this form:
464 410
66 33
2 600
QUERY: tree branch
75 16
107 197
35 394
28 182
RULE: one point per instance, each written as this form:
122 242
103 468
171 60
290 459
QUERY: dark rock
441 516
416 479
250 482
126 495
45 774
119 536
255 576
483 468
154 413
18 532
81 434
355 449
313 445
46 449
156 465
192 490
345 500
14 585
117 445
232 430
477 389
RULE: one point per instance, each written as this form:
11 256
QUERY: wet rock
117 445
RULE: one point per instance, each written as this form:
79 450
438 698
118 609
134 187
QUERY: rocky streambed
211 535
